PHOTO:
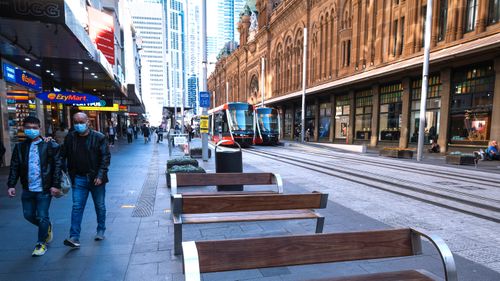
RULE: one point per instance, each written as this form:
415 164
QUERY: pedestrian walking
130 132
60 134
190 132
159 133
146 132
37 164
111 131
136 131
87 157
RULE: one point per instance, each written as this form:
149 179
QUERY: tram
232 122
267 126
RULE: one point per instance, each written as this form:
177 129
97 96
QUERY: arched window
299 45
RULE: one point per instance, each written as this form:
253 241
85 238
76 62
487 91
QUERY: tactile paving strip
146 202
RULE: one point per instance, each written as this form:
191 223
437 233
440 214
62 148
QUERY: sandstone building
364 63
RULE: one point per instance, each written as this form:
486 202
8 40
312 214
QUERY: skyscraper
193 49
150 22
175 13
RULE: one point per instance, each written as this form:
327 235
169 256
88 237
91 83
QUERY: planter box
460 159
197 153
182 169
394 153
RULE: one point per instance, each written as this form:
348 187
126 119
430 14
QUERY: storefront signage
17 97
21 77
67 97
123 108
102 33
33 10
113 108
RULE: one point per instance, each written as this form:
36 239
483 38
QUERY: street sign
180 140
205 99
204 124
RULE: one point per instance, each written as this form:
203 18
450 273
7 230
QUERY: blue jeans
36 210
81 188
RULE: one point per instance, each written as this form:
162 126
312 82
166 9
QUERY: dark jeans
129 138
36 210
160 137
111 139
81 189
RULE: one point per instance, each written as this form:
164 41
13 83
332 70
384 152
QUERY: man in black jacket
87 157
38 165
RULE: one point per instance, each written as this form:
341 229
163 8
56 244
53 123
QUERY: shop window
342 111
443 18
325 117
471 105
363 121
288 126
310 118
432 112
470 15
493 11
390 112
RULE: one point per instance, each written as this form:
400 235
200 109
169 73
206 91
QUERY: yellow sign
113 108
204 124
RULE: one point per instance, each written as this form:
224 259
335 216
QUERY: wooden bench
213 256
184 179
192 209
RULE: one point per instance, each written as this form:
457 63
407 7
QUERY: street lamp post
304 76
204 136
425 80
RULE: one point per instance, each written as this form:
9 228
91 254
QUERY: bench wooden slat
209 179
245 203
297 250
219 193
406 275
249 216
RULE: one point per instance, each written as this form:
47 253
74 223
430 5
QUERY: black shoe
72 242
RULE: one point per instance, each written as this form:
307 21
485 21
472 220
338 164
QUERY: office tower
149 20
175 26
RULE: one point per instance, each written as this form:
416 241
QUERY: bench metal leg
319 224
177 238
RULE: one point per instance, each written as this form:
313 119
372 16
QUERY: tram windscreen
268 120
241 117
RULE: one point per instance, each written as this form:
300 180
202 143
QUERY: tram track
471 204
443 174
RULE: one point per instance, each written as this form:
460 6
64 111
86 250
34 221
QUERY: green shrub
181 161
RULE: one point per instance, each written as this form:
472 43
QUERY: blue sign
205 99
21 77
73 98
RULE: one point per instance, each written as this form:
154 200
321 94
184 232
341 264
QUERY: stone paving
140 247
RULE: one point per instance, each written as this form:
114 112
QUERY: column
495 114
292 108
405 114
461 16
332 118
316 120
379 52
375 115
4 117
445 76
435 22
355 34
281 112
361 54
352 114
451 20
482 16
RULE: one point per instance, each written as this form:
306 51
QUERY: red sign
102 33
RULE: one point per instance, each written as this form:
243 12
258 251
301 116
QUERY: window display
432 113
342 111
363 123
325 116
471 105
391 107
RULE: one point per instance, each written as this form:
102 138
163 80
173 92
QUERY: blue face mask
32 133
81 128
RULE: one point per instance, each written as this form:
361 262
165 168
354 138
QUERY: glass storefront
310 118
325 117
391 107
471 105
432 112
342 111
288 126
363 121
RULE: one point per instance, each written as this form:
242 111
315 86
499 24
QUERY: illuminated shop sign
21 77
68 97
113 108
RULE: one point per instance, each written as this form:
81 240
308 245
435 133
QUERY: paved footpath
139 236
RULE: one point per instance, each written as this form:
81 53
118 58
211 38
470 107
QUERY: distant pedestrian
146 132
38 164
159 133
61 134
87 157
130 133
190 132
136 131
111 131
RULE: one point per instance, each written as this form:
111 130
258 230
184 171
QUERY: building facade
363 70
176 44
150 23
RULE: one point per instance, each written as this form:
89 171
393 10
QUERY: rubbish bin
228 161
